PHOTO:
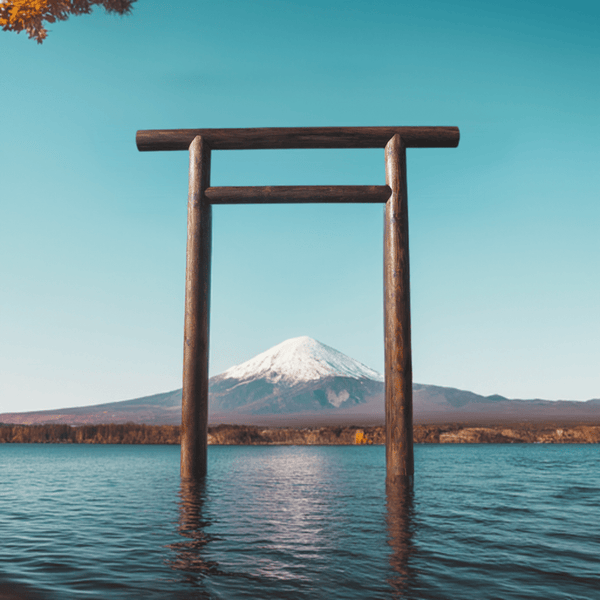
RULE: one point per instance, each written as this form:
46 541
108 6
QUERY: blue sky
505 250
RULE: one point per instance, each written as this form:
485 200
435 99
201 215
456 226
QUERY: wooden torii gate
396 295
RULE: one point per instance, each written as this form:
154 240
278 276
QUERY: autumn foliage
30 15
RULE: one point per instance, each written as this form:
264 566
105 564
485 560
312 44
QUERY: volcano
302 382
298 375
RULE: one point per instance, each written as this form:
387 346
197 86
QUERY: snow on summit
300 359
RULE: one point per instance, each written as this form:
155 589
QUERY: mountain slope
303 382
158 409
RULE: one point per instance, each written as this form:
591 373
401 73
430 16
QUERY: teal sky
504 229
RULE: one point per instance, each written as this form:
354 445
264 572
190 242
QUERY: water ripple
482 521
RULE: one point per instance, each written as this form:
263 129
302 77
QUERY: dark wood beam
299 194
194 409
272 138
396 302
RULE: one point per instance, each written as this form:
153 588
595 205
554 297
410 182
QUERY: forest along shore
232 435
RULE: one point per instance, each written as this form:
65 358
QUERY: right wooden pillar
396 281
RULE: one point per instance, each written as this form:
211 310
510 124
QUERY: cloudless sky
504 229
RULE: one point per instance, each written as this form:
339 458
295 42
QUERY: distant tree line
450 433
133 433
113 433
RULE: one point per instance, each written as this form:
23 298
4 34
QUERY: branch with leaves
30 15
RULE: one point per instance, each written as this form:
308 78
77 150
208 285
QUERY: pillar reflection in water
190 555
400 523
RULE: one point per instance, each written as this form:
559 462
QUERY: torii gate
396 294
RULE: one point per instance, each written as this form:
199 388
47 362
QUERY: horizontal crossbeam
274 138
284 194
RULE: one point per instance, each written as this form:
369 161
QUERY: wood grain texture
194 415
269 138
298 194
398 361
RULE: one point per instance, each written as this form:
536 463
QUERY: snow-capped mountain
302 380
300 374
298 360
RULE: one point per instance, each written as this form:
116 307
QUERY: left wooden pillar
194 411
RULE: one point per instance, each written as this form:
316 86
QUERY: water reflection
294 516
190 555
400 525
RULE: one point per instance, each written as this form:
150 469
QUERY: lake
481 522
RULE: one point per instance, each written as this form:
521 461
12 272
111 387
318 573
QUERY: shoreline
342 435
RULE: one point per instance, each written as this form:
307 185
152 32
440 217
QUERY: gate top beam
275 138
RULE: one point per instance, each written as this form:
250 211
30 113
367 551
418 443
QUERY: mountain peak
300 359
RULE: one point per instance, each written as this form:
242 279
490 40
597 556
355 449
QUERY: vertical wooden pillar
396 279
194 414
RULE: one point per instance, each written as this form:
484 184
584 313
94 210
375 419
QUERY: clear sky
504 229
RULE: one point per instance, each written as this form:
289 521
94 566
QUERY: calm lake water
482 522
